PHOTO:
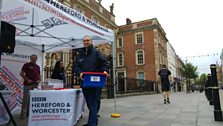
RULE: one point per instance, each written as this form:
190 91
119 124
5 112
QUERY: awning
51 26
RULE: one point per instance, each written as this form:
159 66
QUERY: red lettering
13 103
1 73
10 84
14 94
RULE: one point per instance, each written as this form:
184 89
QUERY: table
55 107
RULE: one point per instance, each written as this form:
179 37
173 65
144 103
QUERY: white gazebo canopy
51 26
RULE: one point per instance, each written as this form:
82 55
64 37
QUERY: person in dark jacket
58 71
165 83
91 60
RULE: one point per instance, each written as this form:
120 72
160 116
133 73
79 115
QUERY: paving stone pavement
186 109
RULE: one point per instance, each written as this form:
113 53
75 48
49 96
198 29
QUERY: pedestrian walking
165 83
91 60
31 74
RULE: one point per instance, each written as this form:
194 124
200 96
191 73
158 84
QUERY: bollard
208 90
215 88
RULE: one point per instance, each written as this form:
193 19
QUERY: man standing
91 60
165 83
31 74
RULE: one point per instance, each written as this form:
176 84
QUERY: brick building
141 49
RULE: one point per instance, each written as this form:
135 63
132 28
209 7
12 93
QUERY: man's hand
38 81
81 76
105 72
29 81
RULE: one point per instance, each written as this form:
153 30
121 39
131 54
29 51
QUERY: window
120 41
100 9
161 58
140 57
120 59
94 19
140 75
139 38
78 9
159 39
107 26
140 78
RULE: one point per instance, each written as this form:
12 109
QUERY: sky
193 27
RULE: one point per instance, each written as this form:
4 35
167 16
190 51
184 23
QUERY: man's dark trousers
99 101
92 96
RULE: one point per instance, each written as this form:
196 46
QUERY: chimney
128 21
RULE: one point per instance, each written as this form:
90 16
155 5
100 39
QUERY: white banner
4 117
11 65
79 105
21 55
52 107
11 82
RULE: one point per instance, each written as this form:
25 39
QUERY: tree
201 80
189 72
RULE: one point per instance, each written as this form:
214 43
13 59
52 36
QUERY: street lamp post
110 86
